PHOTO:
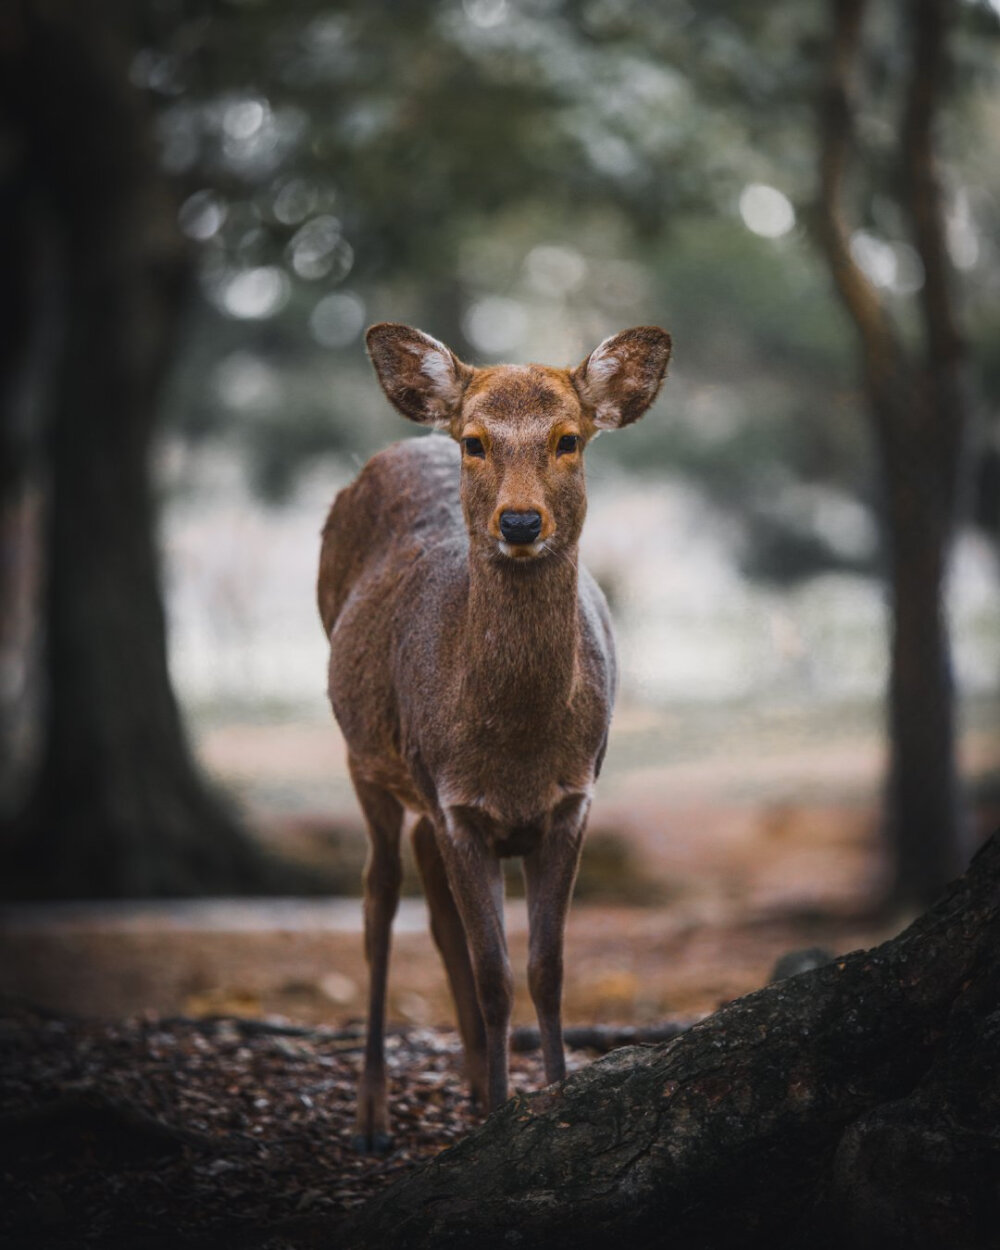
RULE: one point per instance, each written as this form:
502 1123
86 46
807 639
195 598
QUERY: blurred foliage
523 177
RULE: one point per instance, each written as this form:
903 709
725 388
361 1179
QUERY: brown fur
473 680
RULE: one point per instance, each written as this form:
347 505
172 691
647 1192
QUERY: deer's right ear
421 377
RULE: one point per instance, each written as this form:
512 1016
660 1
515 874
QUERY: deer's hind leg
449 936
383 874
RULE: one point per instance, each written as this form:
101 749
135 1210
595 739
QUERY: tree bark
855 1105
118 806
919 414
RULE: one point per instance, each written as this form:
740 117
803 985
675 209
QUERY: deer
472 670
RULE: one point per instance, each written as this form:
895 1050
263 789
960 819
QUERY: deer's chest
517 774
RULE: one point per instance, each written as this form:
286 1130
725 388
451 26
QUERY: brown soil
623 964
157 1133
701 873
714 848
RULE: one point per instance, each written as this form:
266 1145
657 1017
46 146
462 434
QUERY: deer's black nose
520 527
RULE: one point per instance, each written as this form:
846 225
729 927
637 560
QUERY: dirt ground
623 964
157 1133
182 1073
716 845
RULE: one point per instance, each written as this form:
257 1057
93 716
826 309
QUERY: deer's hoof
371 1143
478 1093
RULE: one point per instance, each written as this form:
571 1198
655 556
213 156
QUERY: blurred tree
117 806
918 402
923 59
360 162
521 177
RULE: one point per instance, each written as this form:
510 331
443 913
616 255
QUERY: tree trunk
17 460
924 807
856 1105
918 408
118 806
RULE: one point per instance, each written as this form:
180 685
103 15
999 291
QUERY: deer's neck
522 632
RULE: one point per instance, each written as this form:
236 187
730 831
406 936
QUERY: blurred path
302 959
755 833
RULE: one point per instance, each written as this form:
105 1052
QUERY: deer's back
404 502
392 571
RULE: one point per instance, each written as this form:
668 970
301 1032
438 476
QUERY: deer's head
522 428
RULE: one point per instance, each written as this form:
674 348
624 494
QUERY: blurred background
205 204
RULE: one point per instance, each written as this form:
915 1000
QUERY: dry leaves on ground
153 1133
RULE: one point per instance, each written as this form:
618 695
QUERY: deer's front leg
549 873
476 881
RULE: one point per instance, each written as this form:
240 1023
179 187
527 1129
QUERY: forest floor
156 1132
717 843
183 1073
149 1132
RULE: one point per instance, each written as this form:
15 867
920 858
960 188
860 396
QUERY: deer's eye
474 447
567 444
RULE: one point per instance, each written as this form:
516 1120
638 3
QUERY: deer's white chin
523 551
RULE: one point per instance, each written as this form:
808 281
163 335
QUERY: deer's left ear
620 379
